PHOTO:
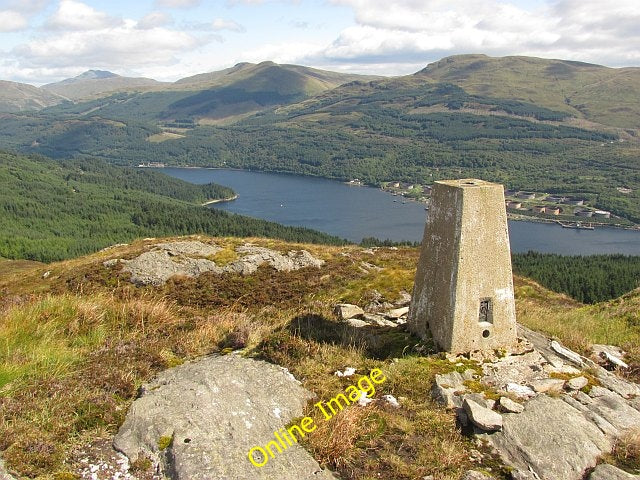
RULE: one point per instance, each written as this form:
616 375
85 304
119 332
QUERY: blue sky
46 40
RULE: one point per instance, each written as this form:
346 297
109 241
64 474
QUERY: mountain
285 78
219 97
608 96
17 97
96 83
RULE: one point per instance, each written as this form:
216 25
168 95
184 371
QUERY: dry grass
626 453
77 345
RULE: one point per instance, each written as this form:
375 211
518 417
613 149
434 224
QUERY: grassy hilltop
81 341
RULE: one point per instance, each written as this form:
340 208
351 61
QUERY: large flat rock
215 410
550 439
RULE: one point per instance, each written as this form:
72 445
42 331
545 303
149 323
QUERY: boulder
482 417
609 472
198 421
157 266
344 311
550 439
254 256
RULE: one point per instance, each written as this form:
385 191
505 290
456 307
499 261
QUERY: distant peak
95 74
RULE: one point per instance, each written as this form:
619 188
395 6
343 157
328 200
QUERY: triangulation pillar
463 290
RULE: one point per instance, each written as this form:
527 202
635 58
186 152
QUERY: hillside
94 83
62 406
608 96
53 210
18 97
470 116
210 98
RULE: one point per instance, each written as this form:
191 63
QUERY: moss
164 442
478 387
141 464
65 476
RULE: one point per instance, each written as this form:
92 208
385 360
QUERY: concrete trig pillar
463 290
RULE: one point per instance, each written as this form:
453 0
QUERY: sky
43 41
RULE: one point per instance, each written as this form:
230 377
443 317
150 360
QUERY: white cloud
74 15
178 3
419 31
154 20
121 47
28 7
12 21
221 24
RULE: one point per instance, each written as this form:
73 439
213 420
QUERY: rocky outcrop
550 439
198 421
609 472
565 420
187 258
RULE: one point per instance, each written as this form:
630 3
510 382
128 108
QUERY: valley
464 116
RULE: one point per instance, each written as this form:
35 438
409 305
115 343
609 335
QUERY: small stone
345 311
510 406
404 299
349 371
475 475
391 400
613 359
577 383
548 385
397 312
566 353
519 390
482 417
356 323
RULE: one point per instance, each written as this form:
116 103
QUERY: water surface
357 212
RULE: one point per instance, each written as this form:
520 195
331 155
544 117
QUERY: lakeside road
220 200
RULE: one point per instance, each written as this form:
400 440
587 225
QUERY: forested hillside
588 279
418 128
53 210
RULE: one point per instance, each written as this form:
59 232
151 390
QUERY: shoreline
510 216
220 200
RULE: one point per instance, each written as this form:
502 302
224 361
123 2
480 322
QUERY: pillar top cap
466 183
